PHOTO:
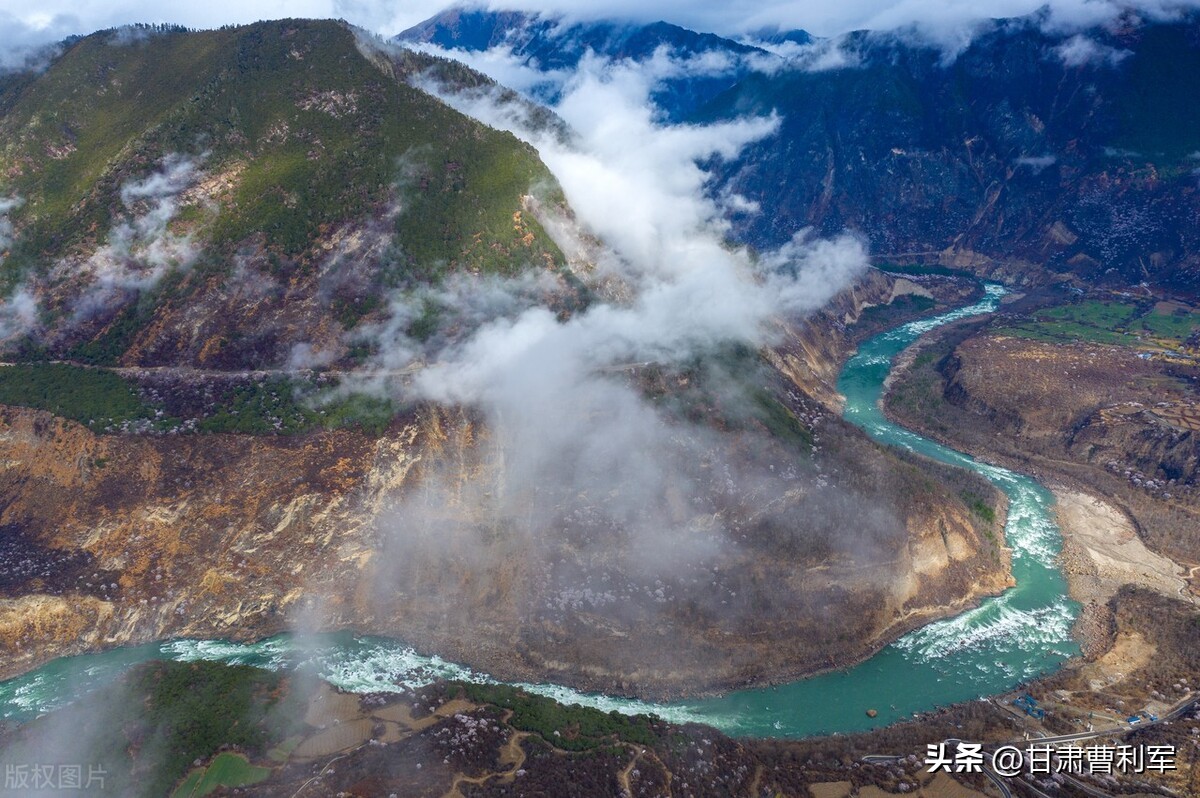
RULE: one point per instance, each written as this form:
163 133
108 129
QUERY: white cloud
821 55
18 313
141 251
500 64
1079 50
571 433
24 27
1036 163
7 206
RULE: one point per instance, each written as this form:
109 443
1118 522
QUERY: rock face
1100 416
244 536
766 539
1015 153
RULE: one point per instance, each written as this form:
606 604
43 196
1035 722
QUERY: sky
26 23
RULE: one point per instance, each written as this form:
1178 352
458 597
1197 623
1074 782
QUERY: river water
986 650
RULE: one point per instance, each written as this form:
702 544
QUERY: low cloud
30 45
820 55
140 251
18 311
7 206
1079 50
575 474
1036 163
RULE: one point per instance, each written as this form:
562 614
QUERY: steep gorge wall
242 537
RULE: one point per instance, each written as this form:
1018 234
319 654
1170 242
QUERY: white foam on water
271 654
626 706
996 627
386 667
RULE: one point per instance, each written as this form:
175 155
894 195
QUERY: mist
29 36
141 250
562 482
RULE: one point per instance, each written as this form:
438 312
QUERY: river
1021 634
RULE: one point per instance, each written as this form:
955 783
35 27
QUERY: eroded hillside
1097 391
246 244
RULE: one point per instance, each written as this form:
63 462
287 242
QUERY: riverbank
1102 553
1104 543
1017 636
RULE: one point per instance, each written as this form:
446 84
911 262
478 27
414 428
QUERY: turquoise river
983 651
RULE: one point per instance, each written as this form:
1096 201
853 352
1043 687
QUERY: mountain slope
554 43
216 212
1077 153
160 181
1033 153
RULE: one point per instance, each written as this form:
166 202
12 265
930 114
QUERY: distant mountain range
550 43
1079 153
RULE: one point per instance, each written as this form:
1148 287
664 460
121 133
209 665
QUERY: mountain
179 198
780 36
220 245
1030 151
551 42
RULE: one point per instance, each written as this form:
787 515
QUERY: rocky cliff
218 457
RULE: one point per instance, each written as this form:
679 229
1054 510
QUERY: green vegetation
196 708
571 728
226 770
91 396
282 405
1118 323
978 505
425 325
189 785
150 727
1174 323
100 398
780 421
307 136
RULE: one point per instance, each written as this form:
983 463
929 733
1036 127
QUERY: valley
696 416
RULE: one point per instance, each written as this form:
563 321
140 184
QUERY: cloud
1079 51
7 205
18 313
1036 163
637 186
502 65
574 473
139 252
820 55
30 46
24 29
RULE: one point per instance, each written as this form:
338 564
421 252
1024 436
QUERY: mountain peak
560 41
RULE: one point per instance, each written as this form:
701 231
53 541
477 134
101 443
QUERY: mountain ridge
1028 155
211 164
